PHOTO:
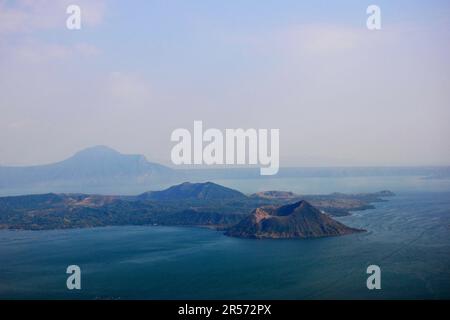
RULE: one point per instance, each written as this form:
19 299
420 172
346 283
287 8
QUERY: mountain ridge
199 191
94 166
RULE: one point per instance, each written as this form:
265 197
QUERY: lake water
408 237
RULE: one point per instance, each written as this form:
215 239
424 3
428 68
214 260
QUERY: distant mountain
96 167
193 191
297 220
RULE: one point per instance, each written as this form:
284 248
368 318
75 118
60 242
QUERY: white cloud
326 39
126 89
23 21
27 16
38 52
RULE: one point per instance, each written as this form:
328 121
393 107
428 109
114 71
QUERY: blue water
408 237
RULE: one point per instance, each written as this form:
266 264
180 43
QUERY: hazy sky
339 93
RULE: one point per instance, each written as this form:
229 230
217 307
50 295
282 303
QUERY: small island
297 220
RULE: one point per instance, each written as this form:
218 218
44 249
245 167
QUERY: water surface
408 237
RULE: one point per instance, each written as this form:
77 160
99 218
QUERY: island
297 220
269 214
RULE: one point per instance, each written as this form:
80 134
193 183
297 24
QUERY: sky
341 95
